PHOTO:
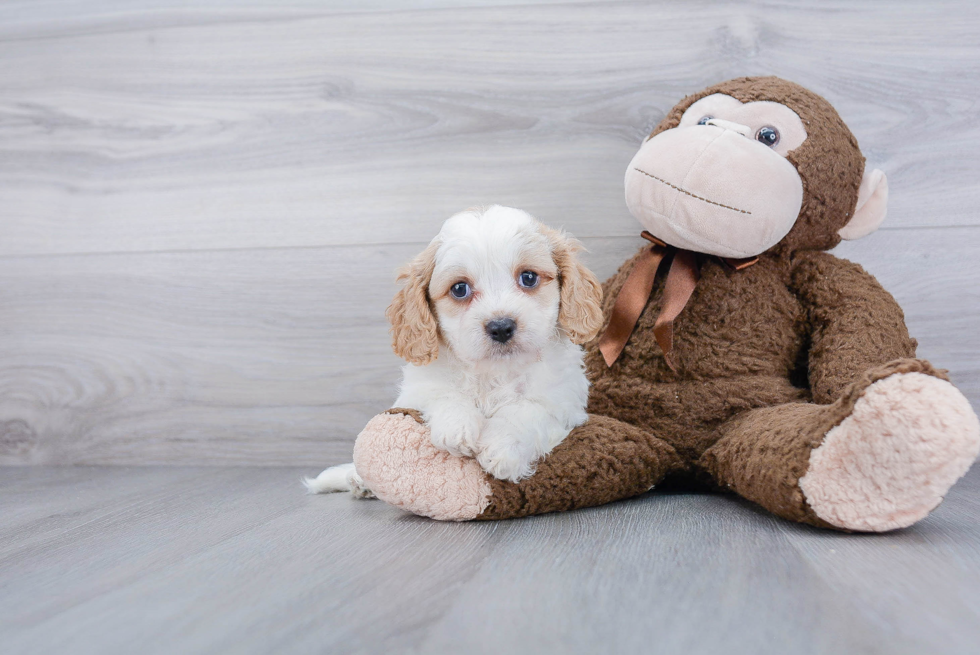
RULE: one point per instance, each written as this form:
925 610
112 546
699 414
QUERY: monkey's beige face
719 182
495 286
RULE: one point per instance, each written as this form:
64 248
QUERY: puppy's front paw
455 431
506 460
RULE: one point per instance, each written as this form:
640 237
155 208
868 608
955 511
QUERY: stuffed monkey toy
736 354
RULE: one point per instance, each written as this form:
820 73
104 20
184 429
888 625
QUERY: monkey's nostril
501 329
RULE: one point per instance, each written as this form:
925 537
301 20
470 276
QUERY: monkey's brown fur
768 358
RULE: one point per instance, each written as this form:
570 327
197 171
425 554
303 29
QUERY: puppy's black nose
501 329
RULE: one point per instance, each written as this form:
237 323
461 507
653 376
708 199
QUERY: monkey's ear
414 331
872 205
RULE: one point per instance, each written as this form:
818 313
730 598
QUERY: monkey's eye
704 120
528 279
768 136
461 291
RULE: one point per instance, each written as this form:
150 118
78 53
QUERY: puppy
490 319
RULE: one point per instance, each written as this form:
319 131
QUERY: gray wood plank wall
202 203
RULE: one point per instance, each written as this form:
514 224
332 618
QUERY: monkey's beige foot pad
396 459
888 464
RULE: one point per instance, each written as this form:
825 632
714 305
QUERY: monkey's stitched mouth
685 191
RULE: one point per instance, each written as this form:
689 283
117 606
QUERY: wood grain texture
171 559
240 131
203 203
261 357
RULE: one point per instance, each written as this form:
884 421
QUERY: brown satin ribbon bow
683 276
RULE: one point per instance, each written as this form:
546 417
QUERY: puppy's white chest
490 392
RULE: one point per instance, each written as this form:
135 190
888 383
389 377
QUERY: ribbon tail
630 303
681 280
739 264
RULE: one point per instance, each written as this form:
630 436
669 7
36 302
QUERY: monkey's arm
854 323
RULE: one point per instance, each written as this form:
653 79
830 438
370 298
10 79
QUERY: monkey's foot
891 461
395 457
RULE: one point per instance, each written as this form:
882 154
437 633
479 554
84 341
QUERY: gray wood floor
212 560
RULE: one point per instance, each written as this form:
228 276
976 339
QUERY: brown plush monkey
736 352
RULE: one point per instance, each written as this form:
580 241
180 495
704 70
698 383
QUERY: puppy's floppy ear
580 311
414 331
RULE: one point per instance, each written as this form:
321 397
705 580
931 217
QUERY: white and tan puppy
490 320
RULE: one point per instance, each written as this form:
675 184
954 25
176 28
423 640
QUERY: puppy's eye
528 279
460 291
704 120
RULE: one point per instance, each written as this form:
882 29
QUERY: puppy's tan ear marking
414 330
580 310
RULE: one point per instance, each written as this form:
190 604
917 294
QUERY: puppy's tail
338 478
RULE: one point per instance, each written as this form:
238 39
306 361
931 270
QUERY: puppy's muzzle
501 329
